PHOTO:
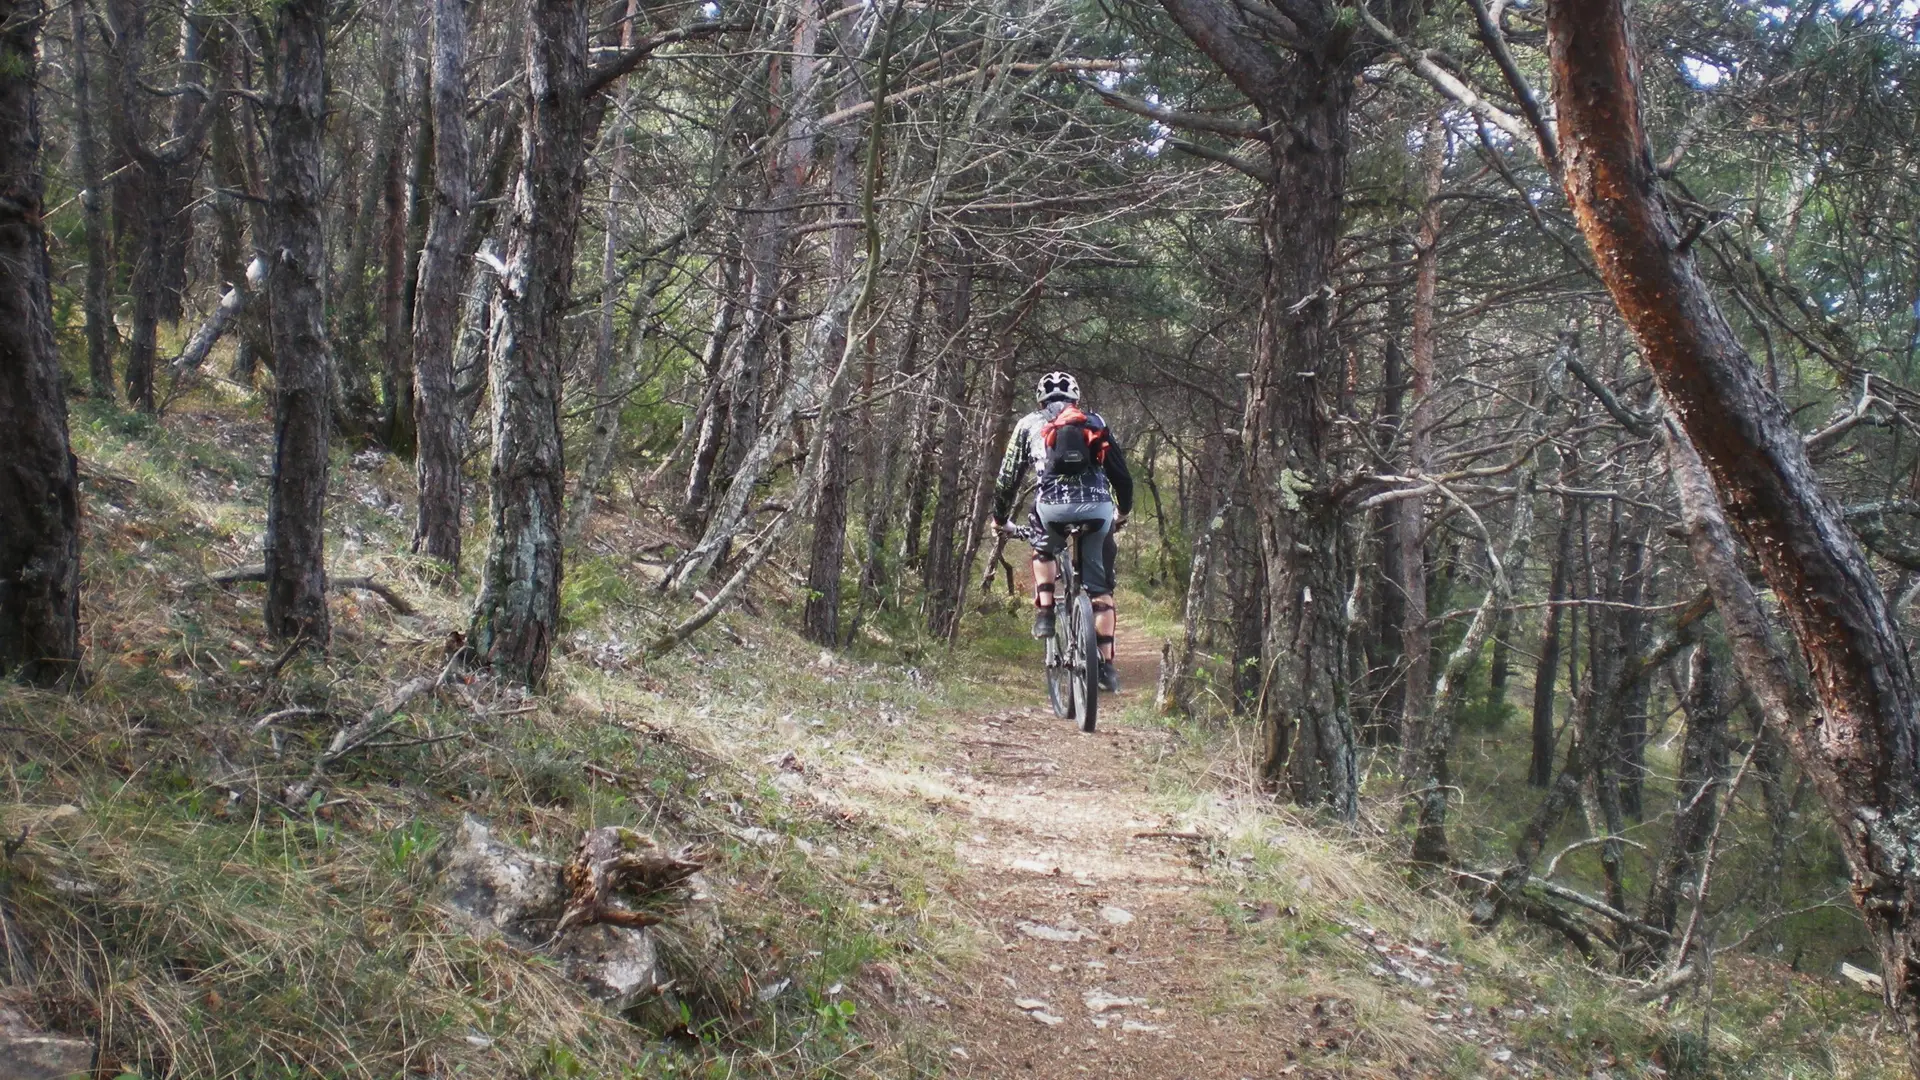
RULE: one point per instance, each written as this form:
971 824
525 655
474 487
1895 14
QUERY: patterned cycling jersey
1027 448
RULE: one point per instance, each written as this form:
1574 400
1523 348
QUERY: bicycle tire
1060 672
1086 665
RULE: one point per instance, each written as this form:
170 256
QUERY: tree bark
941 572
101 333
1306 105
696 498
1865 755
39 487
1290 439
518 612
827 557
1703 770
1547 670
296 605
1416 638
396 346
436 409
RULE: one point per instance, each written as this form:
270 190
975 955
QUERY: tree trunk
1703 771
296 604
101 333
182 164
161 186
893 450
516 617
39 490
821 619
1547 670
1865 755
1308 730
1179 680
696 498
996 425
396 346
1387 687
436 531
941 571
1416 638
606 404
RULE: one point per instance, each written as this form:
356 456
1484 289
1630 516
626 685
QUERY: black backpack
1076 442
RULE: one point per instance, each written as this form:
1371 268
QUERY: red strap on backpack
1074 414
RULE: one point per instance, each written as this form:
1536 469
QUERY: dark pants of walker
1096 543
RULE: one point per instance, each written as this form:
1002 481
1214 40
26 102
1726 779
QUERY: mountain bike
1073 657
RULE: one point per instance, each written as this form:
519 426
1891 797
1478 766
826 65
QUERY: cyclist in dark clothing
1094 488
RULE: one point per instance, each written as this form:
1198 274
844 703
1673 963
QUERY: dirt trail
1107 955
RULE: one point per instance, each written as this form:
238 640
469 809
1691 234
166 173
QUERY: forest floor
1108 949
1103 948
913 868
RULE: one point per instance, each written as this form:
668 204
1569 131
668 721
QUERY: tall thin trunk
606 404
941 572
1703 770
996 424
1387 688
1179 679
296 604
396 346
1547 670
101 333
892 449
352 301
39 490
1416 639
696 498
793 82
517 615
182 164
1435 776
1864 756
159 184
821 620
436 410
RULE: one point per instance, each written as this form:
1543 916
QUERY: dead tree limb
364 584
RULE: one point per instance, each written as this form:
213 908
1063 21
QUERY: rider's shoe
1043 623
1109 677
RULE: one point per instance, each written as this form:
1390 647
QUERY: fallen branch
377 722
364 584
1664 987
1864 979
296 713
1600 907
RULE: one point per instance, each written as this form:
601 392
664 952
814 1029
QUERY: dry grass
1344 894
197 928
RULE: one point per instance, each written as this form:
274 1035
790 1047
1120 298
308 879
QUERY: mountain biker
1083 478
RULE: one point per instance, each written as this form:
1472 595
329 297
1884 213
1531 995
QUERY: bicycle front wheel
1086 665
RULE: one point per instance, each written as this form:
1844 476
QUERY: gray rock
44 1057
493 889
497 890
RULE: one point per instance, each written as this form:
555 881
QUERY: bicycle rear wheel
1060 670
1086 665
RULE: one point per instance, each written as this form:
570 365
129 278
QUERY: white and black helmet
1057 386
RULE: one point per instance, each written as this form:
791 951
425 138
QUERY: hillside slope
909 868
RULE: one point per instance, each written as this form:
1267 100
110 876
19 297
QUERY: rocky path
1102 950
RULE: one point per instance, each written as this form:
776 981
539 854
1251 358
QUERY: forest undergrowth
162 898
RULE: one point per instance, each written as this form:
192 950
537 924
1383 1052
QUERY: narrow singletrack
1102 954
